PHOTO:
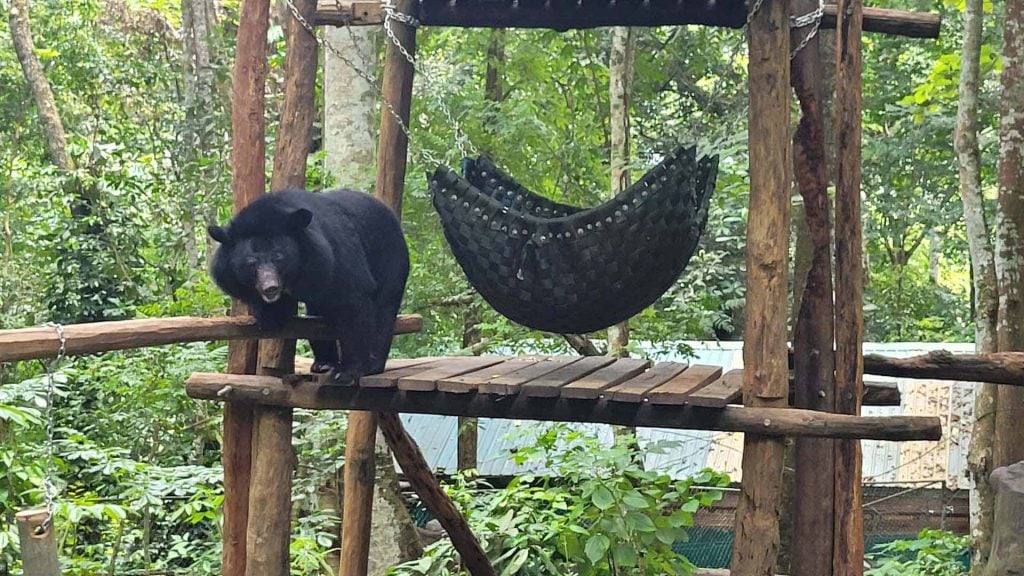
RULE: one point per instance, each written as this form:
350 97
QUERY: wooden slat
721 392
634 389
397 369
426 380
550 386
593 385
471 381
511 382
677 390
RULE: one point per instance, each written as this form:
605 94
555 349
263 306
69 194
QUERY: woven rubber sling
584 271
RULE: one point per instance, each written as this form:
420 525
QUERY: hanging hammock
563 269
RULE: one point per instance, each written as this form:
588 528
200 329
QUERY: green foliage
932 553
596 512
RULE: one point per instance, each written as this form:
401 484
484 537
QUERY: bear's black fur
342 253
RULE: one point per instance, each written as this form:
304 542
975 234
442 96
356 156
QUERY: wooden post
269 532
38 551
848 552
814 330
392 148
765 374
248 153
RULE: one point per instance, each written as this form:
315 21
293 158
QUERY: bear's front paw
343 377
323 366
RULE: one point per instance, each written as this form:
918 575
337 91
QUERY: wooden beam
38 547
848 549
418 474
392 151
566 15
766 373
42 342
774 422
996 367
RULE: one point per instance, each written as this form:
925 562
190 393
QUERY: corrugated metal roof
695 450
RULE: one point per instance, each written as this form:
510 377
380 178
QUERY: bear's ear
299 220
220 234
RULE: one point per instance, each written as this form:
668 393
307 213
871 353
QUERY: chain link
50 491
390 13
813 19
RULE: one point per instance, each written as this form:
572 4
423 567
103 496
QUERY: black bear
342 253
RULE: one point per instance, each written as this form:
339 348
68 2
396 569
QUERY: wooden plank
722 392
848 547
426 380
395 370
634 389
469 382
774 422
766 378
42 341
510 383
550 385
593 385
569 15
678 390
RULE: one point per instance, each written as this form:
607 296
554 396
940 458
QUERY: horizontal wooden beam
43 342
309 394
564 15
995 367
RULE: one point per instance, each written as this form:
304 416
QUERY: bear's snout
268 282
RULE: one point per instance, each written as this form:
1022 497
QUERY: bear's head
266 259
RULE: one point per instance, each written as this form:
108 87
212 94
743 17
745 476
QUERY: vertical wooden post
38 551
248 153
273 460
392 148
765 374
814 331
848 553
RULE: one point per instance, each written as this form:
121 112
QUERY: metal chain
812 18
49 488
424 155
390 13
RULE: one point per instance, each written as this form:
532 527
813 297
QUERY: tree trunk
1007 546
197 22
49 117
983 277
350 120
350 106
1008 447
620 88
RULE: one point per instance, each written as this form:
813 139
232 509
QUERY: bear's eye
277 256
250 260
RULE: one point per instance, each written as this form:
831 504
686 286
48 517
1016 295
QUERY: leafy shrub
932 553
599 512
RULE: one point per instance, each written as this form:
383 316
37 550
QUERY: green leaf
635 500
690 506
639 522
596 548
516 563
602 498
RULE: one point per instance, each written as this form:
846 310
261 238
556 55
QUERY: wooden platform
558 388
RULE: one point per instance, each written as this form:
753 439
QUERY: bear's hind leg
325 352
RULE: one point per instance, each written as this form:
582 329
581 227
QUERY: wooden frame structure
827 364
